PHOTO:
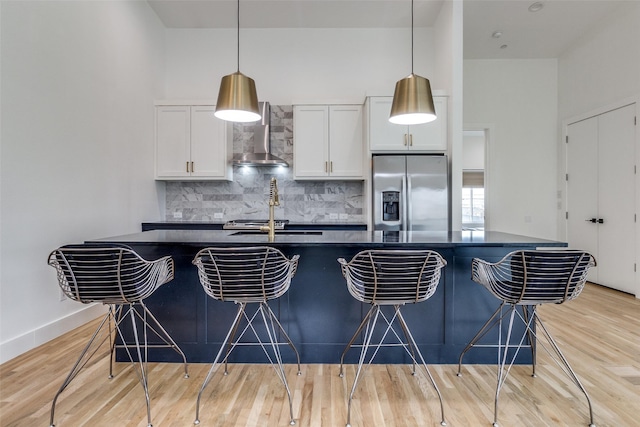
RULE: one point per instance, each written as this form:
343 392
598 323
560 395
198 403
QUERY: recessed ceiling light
496 34
535 7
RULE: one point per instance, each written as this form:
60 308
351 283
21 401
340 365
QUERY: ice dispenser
390 205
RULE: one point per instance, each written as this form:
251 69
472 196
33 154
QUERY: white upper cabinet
192 144
328 142
386 136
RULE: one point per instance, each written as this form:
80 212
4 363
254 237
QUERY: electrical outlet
218 215
177 215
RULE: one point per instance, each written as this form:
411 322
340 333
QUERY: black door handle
600 221
592 220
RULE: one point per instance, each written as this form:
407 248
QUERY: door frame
489 131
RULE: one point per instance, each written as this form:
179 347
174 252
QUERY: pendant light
237 97
412 99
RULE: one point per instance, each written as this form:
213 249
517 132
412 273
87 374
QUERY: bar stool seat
118 277
248 275
527 279
390 278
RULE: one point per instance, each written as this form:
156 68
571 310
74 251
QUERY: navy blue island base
318 312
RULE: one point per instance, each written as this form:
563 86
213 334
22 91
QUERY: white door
616 199
601 195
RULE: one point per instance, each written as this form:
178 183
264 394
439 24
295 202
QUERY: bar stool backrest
536 276
387 277
249 274
108 274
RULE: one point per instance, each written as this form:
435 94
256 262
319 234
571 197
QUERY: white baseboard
32 339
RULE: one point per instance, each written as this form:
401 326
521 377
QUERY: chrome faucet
273 202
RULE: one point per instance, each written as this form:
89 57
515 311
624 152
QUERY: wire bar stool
529 279
248 275
390 278
118 277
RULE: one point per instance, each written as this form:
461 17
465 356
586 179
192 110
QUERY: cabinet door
208 143
310 141
384 135
431 136
345 141
172 141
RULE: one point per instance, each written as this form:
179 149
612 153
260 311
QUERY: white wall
78 84
297 65
473 150
518 100
449 60
600 72
603 67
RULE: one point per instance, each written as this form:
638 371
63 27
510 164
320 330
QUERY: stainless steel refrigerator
410 193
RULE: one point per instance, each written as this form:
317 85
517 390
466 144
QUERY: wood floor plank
599 333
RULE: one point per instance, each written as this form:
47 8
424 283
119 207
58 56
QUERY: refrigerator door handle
407 204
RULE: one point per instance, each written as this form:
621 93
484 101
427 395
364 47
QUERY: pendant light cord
411 36
238 37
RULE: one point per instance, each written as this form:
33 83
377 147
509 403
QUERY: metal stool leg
370 326
112 340
488 325
503 371
564 364
531 339
162 333
89 350
353 339
424 364
207 379
286 336
142 360
270 324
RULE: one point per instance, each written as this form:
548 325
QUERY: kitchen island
318 312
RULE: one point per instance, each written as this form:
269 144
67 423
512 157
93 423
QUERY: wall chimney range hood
261 155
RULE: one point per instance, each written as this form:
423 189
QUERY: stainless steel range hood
261 155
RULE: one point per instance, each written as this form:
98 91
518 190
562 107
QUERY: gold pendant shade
237 99
412 101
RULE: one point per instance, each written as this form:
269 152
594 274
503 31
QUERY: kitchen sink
278 232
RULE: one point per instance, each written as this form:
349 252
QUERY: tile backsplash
247 195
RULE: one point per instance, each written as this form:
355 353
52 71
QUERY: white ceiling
543 34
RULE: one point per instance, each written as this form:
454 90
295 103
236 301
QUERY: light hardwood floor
599 333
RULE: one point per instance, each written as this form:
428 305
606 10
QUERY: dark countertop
208 225
334 238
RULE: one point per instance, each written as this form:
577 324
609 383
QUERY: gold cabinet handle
410 140
326 169
331 167
405 139
192 167
187 167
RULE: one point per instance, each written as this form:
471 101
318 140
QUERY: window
473 208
